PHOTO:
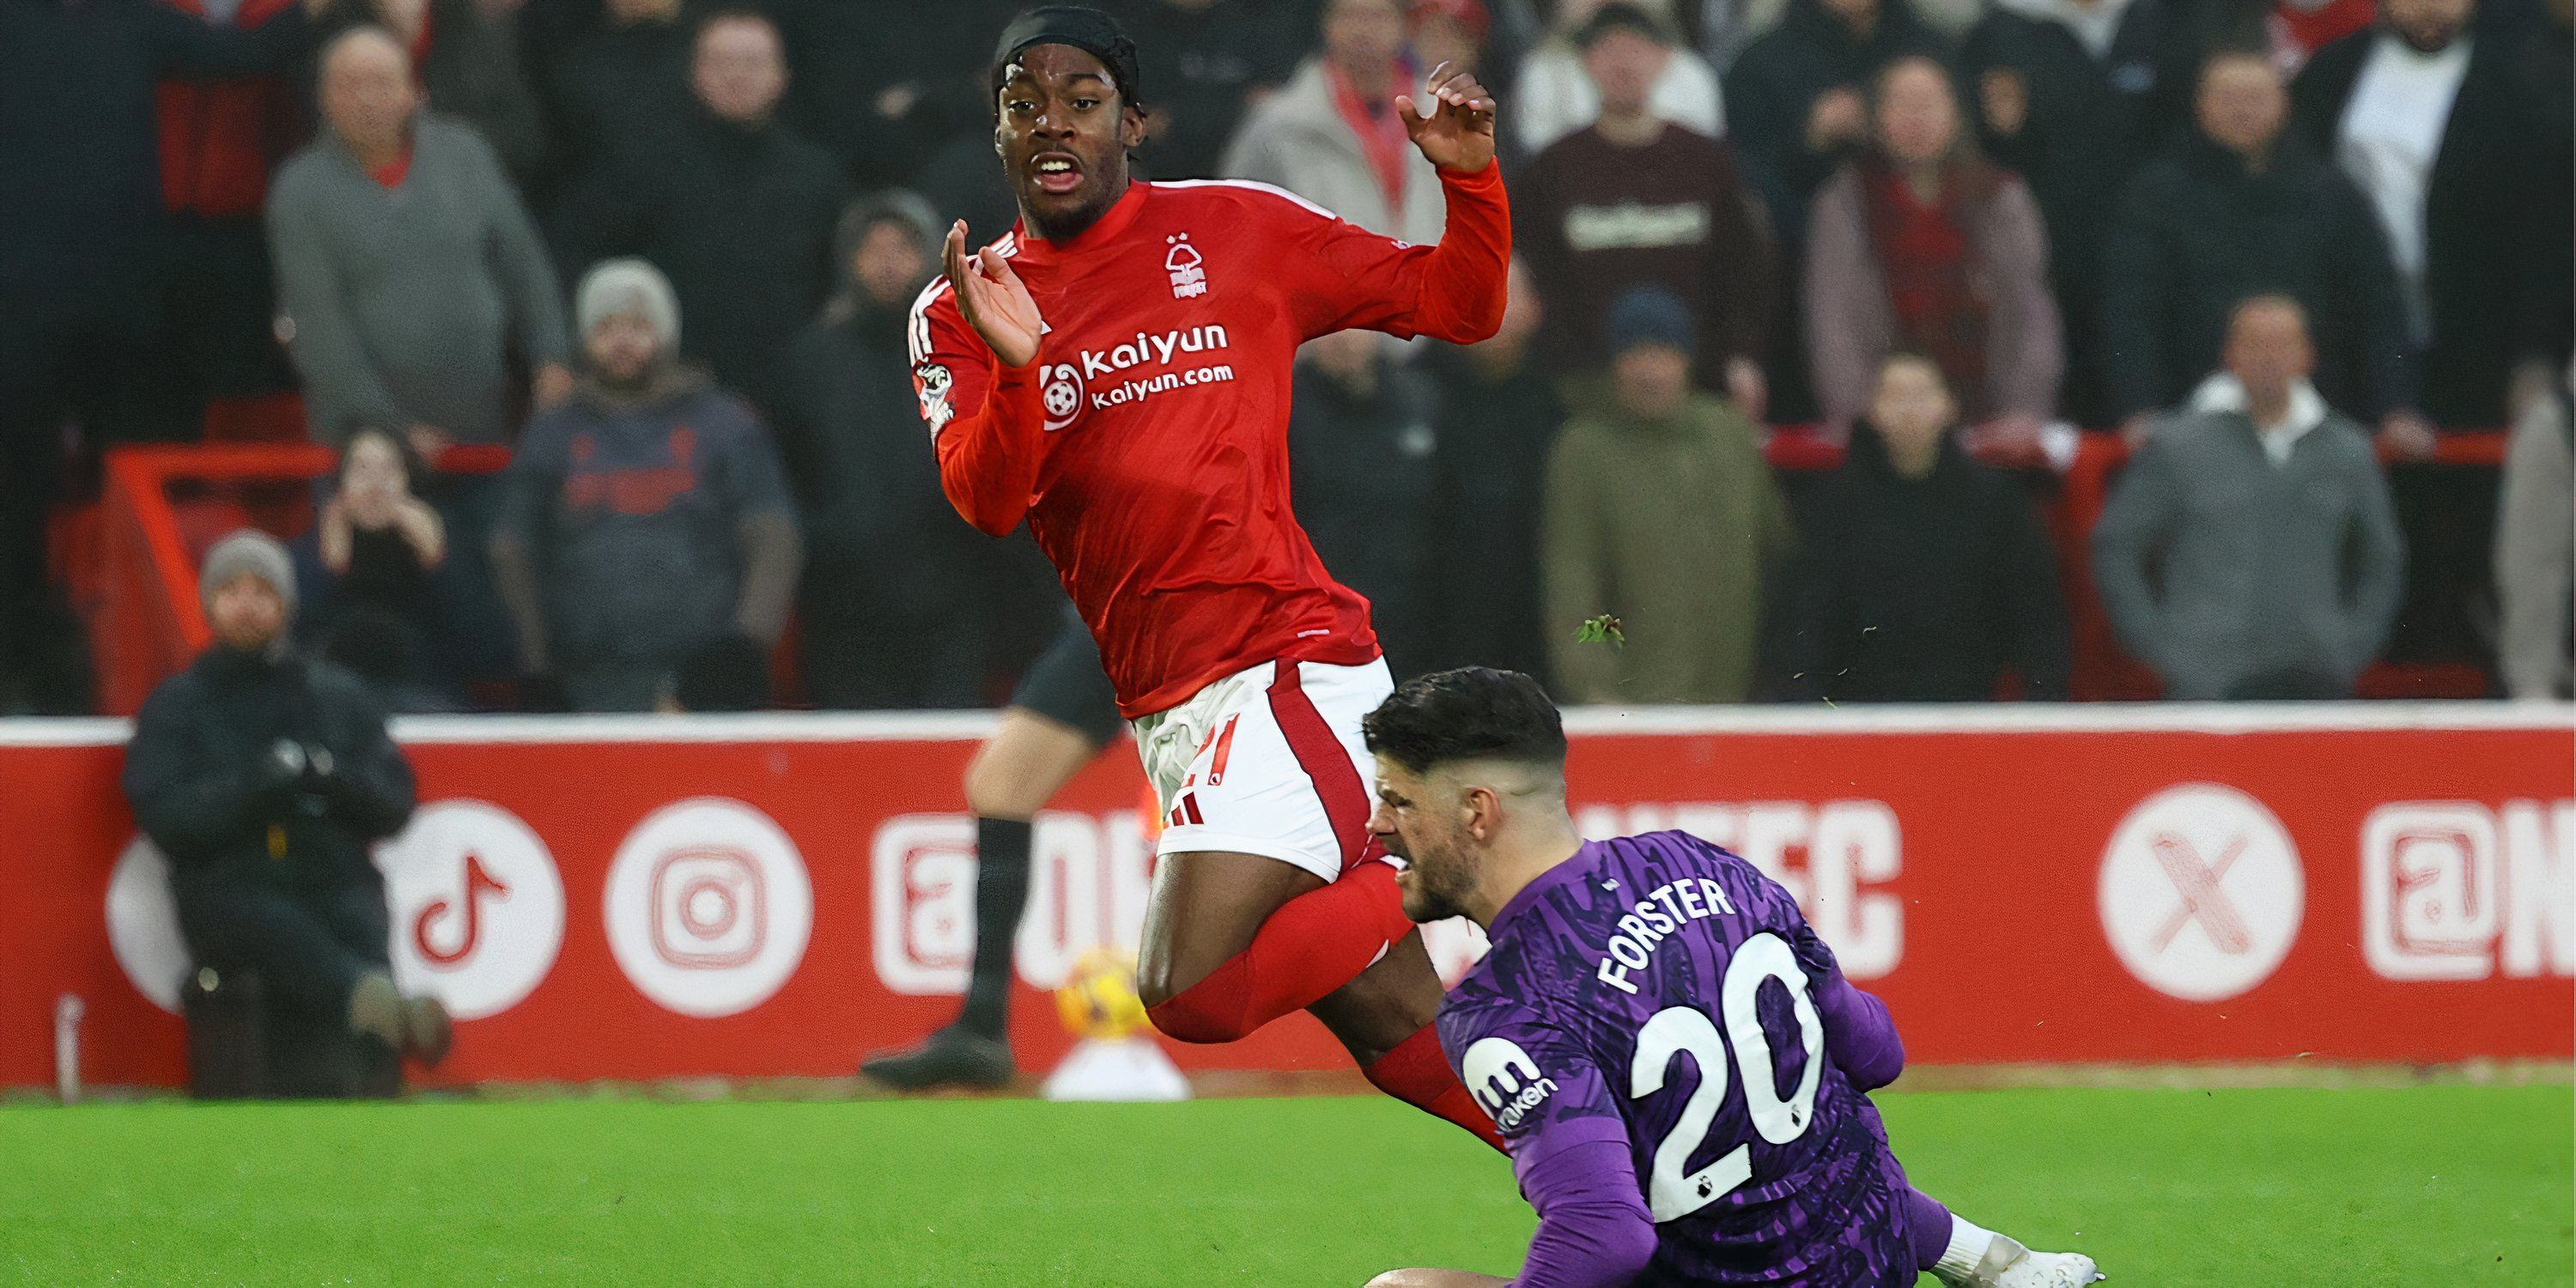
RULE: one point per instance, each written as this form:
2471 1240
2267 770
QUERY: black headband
1089 30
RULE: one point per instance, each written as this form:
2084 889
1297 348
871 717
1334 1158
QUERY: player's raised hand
993 300
1458 132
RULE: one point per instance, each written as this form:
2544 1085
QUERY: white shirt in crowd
2390 136
1555 96
2306 411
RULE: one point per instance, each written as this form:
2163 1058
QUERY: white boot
1980 1258
2007 1264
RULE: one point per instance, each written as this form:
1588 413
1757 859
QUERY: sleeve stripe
918 333
917 328
1249 184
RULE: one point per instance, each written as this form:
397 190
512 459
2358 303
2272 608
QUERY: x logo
2202 900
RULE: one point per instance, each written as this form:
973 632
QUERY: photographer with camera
265 778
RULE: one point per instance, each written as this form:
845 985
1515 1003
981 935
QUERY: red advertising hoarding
638 898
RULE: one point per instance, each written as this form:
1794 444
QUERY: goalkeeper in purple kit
1674 1060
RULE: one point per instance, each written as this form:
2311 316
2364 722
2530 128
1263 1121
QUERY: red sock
1313 944
1416 1073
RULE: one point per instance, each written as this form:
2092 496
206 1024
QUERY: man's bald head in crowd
367 90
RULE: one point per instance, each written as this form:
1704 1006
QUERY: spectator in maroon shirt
1633 200
1922 245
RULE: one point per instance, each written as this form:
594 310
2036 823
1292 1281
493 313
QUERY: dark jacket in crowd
740 219
645 527
1489 485
880 86
1199 63
614 90
1596 220
2544 74
2285 32
82 224
1925 589
2489 299
897 587
1777 80
1362 471
2199 231
472 73
2090 123
206 788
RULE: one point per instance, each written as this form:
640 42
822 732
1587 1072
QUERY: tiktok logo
478 884
482 902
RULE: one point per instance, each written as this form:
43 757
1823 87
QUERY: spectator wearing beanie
409 276
1660 513
266 778
1632 200
1921 245
889 564
644 517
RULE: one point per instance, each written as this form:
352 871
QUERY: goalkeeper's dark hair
1472 713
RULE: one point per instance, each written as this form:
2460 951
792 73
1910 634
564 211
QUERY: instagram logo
708 907
707 912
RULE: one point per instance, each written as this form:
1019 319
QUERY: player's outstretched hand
993 299
1458 132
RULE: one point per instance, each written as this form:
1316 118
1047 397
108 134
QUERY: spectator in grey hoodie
2249 550
644 519
407 268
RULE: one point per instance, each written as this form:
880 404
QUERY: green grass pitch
2440 1184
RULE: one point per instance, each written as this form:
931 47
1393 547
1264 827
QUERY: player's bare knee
1154 982
993 792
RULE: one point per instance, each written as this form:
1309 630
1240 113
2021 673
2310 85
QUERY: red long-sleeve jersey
1147 445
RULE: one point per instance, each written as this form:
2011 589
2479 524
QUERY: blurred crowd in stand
664 251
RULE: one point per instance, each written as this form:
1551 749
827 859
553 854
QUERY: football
1098 997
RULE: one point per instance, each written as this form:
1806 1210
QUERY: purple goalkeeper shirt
1660 994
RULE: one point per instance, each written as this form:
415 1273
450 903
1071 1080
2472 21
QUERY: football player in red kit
1116 372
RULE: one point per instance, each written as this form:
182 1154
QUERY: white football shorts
1269 761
